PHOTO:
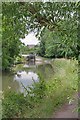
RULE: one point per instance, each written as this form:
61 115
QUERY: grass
55 92
0 104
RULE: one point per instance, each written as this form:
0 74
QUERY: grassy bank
46 97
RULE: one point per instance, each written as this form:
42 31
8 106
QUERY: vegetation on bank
56 28
59 45
46 96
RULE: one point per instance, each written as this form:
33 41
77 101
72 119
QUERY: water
26 79
25 75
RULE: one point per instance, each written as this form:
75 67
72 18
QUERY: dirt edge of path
69 109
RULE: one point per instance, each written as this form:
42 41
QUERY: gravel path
68 110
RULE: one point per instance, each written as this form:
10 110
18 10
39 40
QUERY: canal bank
26 73
58 81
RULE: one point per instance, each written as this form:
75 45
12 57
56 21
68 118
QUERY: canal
24 75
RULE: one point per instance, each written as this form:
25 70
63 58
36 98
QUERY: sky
30 39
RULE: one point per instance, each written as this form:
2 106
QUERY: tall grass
45 97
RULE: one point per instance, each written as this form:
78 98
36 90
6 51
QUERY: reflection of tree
45 71
8 81
0 81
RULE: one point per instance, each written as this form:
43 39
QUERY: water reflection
8 82
30 64
26 74
26 78
46 71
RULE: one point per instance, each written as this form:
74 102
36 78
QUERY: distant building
31 46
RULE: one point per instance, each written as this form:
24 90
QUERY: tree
13 27
19 18
59 44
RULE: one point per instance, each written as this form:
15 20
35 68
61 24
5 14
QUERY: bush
12 105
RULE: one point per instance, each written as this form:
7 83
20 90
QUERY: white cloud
30 39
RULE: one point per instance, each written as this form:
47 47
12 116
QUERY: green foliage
54 92
13 27
41 50
26 50
59 44
39 89
12 105
19 18
18 60
15 104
